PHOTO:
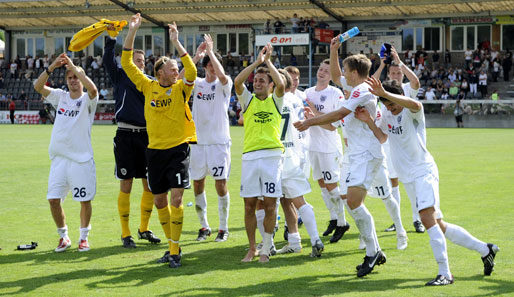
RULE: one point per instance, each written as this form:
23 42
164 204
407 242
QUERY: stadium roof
66 13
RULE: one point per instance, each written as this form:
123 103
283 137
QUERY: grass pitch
476 168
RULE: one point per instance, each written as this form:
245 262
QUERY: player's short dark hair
264 70
391 86
326 61
207 59
358 62
287 78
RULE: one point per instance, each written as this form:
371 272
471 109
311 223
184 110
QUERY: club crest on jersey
168 92
399 119
263 117
213 87
394 130
356 94
322 98
79 103
67 113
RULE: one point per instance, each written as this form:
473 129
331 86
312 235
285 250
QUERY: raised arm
335 68
108 59
218 68
189 66
92 91
275 75
362 114
135 74
380 69
324 119
243 75
378 90
39 84
411 76
199 54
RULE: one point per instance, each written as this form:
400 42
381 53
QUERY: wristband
48 72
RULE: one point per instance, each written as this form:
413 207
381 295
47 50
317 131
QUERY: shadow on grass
343 283
196 262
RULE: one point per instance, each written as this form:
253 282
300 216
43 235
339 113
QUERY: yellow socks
146 210
164 219
124 211
177 218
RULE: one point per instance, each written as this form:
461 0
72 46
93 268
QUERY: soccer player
397 71
365 152
294 182
130 144
325 151
170 130
404 125
70 150
262 150
211 155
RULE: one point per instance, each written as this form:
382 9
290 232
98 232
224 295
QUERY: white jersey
409 91
359 135
326 100
210 111
290 135
71 134
407 138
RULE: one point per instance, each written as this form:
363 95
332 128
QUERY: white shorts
306 164
362 171
212 159
381 185
325 166
294 183
262 177
390 165
426 190
66 175
345 167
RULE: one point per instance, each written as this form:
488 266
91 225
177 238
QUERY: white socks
338 206
328 203
223 209
201 209
267 242
415 213
309 220
460 236
438 244
393 208
63 232
294 240
366 225
259 214
395 192
84 232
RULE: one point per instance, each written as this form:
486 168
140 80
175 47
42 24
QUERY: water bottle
348 34
31 246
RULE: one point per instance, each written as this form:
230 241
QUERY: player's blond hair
358 62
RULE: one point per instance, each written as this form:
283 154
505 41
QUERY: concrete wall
470 121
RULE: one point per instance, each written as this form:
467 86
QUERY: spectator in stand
293 61
453 91
439 87
435 58
468 55
13 69
1 80
447 57
324 25
495 96
464 87
482 83
249 83
425 75
418 70
278 26
96 68
12 108
496 69
104 93
23 98
408 58
267 27
451 75
444 94
493 54
2 97
294 21
231 64
477 60
507 65
430 94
